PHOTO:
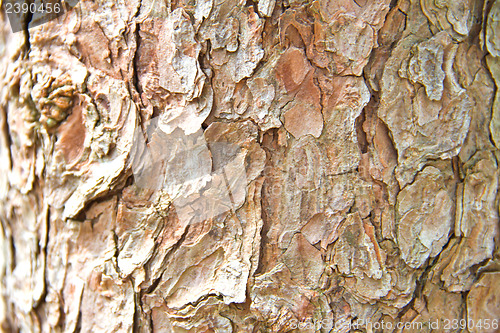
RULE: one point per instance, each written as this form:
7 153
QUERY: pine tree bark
367 133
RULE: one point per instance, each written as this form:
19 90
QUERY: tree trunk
266 166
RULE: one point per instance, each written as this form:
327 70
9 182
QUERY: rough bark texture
369 132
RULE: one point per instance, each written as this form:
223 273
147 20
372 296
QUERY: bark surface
368 132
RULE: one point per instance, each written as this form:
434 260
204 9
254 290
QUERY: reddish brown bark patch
292 68
72 136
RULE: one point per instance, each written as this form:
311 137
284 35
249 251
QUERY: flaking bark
368 132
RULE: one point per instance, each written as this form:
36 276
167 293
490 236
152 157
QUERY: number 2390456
18 8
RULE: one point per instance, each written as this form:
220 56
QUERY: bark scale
368 133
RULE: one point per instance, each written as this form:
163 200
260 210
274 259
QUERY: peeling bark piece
437 304
22 174
277 304
254 99
494 66
292 69
349 35
188 116
216 256
266 7
199 9
72 137
455 16
84 252
492 28
296 29
212 265
476 222
107 304
232 98
198 188
196 280
244 135
304 162
322 227
344 99
137 228
304 262
372 12
177 50
106 165
302 189
368 289
479 137
302 115
303 119
107 47
443 304
206 318
72 306
483 303
403 283
355 254
26 278
493 61
440 127
425 215
425 66
222 25
167 63
261 109
350 40
244 60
